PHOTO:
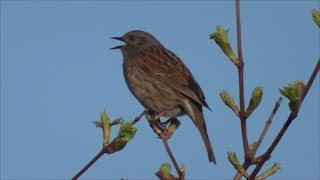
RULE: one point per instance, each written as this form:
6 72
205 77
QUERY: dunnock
161 82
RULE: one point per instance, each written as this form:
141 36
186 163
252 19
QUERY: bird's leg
156 124
166 128
158 116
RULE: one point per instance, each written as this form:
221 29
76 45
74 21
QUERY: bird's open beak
119 39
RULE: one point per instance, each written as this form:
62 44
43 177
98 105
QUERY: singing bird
161 82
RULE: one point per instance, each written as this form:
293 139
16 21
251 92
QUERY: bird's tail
196 114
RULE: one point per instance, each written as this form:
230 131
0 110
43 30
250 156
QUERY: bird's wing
164 65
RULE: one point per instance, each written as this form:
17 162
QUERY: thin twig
137 119
87 166
247 164
174 162
311 79
291 117
267 125
240 66
162 133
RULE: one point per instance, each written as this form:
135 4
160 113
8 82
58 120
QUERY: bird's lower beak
119 39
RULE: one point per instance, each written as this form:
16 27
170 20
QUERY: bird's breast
151 92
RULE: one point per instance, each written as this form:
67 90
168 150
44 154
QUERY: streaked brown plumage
161 82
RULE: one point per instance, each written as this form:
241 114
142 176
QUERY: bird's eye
132 37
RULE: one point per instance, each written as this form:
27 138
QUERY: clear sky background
57 74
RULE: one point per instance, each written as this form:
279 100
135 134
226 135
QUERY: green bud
255 100
126 133
232 157
294 105
228 100
104 117
165 168
253 147
221 38
316 16
269 171
290 91
164 172
294 93
104 124
300 85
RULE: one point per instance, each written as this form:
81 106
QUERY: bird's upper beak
119 39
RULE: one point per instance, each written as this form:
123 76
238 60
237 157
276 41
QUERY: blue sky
57 74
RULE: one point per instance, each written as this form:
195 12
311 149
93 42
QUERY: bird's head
136 40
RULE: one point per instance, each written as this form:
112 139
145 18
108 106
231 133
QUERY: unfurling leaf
126 133
294 93
269 172
232 157
104 124
221 38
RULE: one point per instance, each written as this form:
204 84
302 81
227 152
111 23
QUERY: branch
247 163
267 125
174 162
240 66
86 167
311 79
137 119
164 132
284 128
